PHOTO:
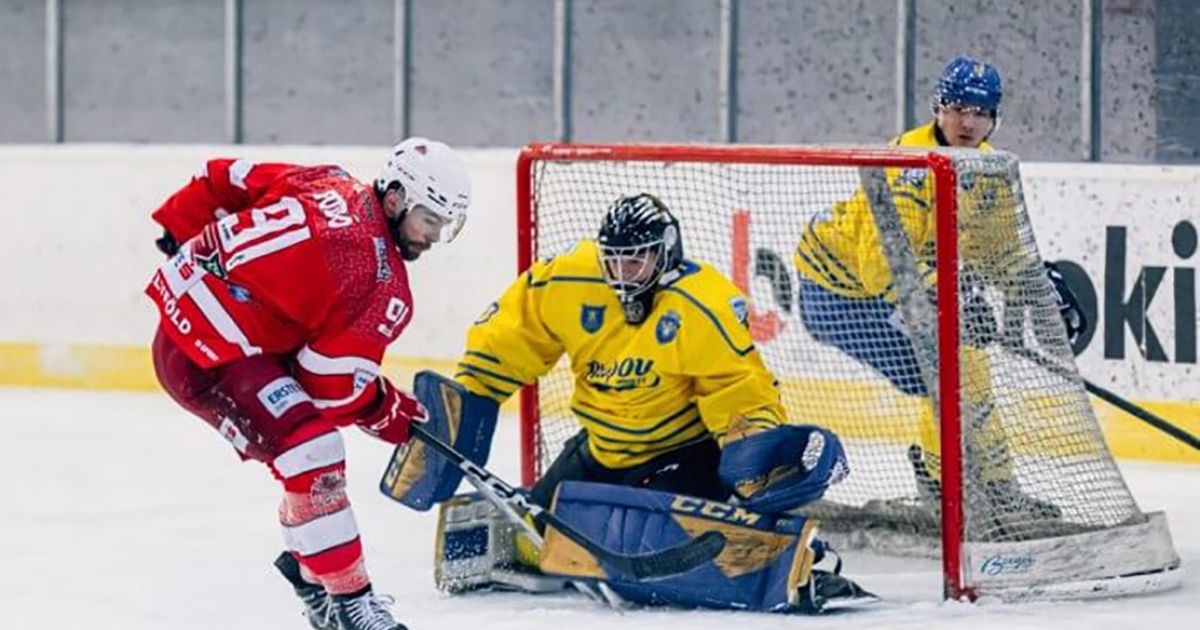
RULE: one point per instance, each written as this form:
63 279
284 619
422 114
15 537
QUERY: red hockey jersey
284 260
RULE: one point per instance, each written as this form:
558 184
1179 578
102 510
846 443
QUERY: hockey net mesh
1034 460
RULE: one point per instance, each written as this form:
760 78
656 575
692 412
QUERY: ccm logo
714 510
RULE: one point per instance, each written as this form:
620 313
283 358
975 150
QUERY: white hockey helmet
432 176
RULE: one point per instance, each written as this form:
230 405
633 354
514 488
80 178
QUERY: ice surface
121 511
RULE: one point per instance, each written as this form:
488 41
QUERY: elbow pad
783 468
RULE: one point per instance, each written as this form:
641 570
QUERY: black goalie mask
640 250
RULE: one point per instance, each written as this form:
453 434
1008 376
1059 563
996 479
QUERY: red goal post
562 191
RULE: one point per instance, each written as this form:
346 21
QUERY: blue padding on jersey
633 520
755 457
458 417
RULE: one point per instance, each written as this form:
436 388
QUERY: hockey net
1024 465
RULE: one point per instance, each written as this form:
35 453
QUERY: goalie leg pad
766 561
418 477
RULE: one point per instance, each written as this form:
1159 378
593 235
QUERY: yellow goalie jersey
689 371
840 250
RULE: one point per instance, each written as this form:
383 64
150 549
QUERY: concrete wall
22 71
482 73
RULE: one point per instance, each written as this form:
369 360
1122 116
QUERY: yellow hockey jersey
840 250
689 371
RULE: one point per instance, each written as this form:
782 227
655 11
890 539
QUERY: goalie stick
656 564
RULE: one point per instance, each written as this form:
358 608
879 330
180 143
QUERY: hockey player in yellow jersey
846 298
666 375
683 434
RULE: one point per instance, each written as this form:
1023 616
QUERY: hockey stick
656 564
1108 396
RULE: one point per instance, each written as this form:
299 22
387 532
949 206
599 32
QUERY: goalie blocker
420 478
767 564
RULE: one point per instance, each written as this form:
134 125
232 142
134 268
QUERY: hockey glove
783 468
1068 305
393 414
167 244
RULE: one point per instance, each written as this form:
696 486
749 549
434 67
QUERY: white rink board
76 246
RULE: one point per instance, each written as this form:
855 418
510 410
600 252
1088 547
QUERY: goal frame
1140 556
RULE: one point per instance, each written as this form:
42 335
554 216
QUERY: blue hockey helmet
971 82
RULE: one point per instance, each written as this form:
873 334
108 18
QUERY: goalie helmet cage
1027 493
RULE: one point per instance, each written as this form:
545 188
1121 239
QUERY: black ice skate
318 607
364 611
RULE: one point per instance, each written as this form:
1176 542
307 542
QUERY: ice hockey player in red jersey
285 285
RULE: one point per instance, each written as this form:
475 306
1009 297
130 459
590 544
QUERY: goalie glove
784 468
1068 305
393 414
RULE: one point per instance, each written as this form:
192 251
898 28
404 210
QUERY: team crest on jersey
914 177
741 310
591 318
211 262
668 327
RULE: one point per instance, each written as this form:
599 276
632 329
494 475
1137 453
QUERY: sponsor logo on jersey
591 318
206 350
170 305
383 269
282 394
714 510
741 310
622 375
239 293
668 327
333 207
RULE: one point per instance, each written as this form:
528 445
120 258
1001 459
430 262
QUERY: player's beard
408 251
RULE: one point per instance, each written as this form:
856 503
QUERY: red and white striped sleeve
223 187
341 374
